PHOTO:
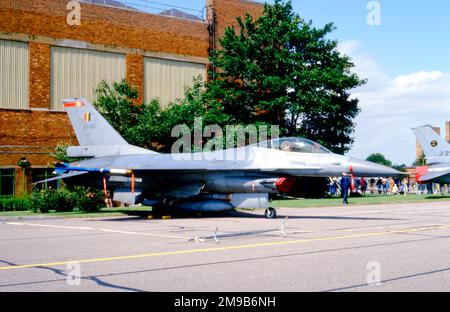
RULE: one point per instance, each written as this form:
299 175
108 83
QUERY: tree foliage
379 158
281 70
196 103
273 70
60 154
138 124
421 160
149 125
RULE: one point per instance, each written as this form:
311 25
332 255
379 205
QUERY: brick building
44 58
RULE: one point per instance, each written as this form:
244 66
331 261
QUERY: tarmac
395 247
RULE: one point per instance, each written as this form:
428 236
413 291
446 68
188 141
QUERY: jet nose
363 168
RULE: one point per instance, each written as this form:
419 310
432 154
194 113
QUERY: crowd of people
385 186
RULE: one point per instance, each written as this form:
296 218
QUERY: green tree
400 168
150 126
279 69
421 160
196 103
138 124
60 154
379 158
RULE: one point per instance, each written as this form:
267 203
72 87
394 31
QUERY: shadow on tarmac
96 279
174 214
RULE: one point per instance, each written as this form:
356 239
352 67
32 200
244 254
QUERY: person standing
385 185
372 185
380 186
405 185
363 185
345 185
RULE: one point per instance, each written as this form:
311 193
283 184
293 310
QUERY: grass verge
366 200
105 212
284 203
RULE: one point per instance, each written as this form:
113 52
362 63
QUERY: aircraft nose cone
363 168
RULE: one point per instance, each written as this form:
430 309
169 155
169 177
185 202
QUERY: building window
168 79
13 74
44 174
7 182
76 73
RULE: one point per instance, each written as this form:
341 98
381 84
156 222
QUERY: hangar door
13 74
167 79
77 72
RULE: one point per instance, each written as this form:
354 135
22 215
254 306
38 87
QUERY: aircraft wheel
271 213
157 211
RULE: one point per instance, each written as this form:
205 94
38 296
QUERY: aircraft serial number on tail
89 126
445 153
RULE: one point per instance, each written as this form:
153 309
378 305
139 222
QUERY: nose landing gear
270 213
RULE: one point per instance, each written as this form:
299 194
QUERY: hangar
43 59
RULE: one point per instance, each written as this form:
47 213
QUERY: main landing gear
270 213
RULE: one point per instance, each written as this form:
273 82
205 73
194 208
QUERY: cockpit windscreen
296 145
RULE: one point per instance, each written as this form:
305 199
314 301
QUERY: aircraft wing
164 170
63 176
433 175
187 173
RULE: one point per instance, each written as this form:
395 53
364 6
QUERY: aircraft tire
158 210
270 213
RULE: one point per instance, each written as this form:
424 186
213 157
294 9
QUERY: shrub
43 200
85 199
14 204
64 200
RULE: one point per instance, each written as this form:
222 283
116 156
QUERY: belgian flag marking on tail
87 117
74 104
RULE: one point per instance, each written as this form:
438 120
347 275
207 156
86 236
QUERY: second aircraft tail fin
433 145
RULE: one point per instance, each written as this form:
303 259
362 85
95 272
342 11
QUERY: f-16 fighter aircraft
437 154
201 182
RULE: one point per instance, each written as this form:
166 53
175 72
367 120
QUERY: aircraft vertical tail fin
90 127
433 144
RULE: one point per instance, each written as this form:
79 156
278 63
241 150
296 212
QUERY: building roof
151 6
180 14
111 3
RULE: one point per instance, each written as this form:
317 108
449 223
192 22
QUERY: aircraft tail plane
94 134
433 145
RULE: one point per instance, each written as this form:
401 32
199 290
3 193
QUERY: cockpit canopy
296 145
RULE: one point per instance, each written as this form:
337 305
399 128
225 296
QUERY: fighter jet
198 182
437 154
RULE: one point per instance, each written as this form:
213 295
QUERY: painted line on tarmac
236 247
143 233
96 229
51 226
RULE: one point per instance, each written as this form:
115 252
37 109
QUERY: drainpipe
24 164
211 16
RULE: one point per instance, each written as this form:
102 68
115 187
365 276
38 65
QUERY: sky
405 57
